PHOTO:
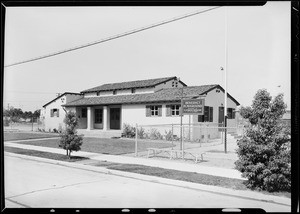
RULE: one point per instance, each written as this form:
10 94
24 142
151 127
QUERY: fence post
182 141
172 136
205 133
136 139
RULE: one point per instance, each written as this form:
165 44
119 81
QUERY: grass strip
41 154
194 177
9 136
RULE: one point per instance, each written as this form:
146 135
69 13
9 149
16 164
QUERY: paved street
35 184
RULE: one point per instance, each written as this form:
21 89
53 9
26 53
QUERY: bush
168 135
69 139
141 133
128 131
155 134
264 151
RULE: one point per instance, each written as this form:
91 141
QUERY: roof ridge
126 84
138 80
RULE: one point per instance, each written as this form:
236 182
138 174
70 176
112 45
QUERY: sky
193 49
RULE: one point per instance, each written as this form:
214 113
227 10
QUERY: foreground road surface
29 183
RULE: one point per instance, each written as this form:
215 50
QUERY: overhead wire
114 37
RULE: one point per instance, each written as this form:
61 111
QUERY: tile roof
131 84
60 97
163 95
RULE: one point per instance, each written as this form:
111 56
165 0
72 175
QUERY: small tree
264 151
69 139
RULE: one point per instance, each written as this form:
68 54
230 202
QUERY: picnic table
174 152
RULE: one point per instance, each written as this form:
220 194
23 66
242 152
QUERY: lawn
9 136
103 145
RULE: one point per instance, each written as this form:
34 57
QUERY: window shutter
233 113
57 112
51 112
206 113
148 111
159 111
168 110
211 114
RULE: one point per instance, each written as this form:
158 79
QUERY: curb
184 184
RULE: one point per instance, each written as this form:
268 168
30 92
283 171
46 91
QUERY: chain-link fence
34 124
185 137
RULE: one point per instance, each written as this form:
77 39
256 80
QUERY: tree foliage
69 139
265 150
13 114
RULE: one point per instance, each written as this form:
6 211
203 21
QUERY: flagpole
226 67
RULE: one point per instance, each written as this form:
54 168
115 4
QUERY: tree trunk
67 152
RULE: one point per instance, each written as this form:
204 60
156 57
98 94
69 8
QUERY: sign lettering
193 106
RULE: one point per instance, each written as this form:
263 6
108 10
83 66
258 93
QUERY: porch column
105 118
89 118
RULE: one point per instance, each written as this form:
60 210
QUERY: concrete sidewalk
167 164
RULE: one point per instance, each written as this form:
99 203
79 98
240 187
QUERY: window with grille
175 110
98 115
153 110
84 112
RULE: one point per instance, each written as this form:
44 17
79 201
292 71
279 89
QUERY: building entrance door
221 118
115 118
221 114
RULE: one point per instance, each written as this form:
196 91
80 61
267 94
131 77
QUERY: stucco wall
54 122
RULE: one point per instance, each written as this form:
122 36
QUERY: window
208 115
83 112
153 110
98 115
114 92
133 90
54 112
172 110
175 110
230 113
175 84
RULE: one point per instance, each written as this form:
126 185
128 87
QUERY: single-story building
103 110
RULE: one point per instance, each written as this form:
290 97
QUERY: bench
172 152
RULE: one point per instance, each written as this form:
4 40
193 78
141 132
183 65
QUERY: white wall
54 122
136 114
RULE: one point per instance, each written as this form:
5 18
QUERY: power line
29 92
114 37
